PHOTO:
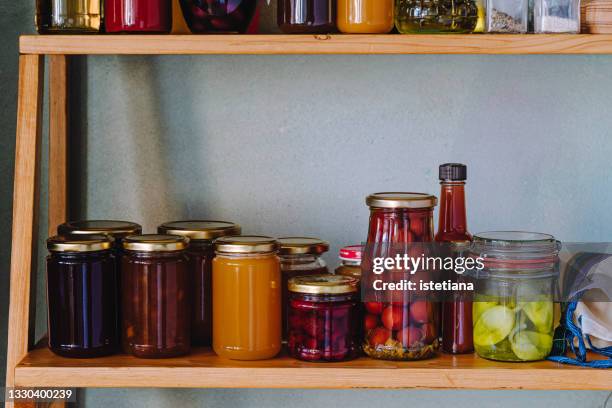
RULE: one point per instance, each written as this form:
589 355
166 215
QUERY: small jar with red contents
323 318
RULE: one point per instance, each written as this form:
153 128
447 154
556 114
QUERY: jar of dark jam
323 318
350 261
299 256
82 296
307 16
156 296
200 253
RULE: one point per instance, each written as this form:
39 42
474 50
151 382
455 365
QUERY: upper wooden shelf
203 369
317 44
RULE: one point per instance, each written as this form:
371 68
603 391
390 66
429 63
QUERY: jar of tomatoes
398 325
200 254
323 318
350 261
156 296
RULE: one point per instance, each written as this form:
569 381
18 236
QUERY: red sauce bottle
452 227
151 16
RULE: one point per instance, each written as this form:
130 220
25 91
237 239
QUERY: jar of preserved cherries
200 253
156 286
323 318
350 261
246 298
398 325
299 256
307 16
138 16
82 296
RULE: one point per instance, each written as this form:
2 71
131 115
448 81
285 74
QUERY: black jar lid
85 243
118 229
302 246
323 284
155 243
200 230
453 172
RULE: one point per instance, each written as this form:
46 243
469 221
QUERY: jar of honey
365 16
156 284
299 256
246 298
200 253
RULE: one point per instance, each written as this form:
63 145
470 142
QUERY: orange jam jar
246 298
365 16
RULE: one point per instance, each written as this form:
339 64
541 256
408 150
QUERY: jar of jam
137 16
350 261
156 296
323 318
218 16
365 16
82 296
246 298
200 254
307 16
398 325
299 256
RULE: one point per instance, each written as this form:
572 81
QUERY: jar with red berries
323 318
398 324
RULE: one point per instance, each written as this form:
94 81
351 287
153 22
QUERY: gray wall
291 145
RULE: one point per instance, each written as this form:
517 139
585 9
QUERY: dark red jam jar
200 254
82 296
156 286
137 16
323 318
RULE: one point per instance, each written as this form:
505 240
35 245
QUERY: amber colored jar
246 298
82 296
323 318
299 256
68 16
365 16
156 296
200 253
350 261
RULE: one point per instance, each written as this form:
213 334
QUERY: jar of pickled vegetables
299 256
365 16
513 303
246 298
323 318
218 16
350 261
156 285
436 16
398 325
82 296
200 253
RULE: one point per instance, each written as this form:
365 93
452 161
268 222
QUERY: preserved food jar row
201 283
312 16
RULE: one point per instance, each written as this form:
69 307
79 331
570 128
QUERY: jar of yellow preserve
246 298
365 16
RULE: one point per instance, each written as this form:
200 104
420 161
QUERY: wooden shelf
317 44
203 369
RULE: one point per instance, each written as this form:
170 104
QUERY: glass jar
323 318
365 16
81 296
156 296
436 16
513 303
246 298
398 325
299 256
218 16
556 16
200 253
350 261
69 16
507 16
137 16
306 16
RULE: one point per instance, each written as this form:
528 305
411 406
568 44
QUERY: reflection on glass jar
513 304
81 296
152 16
323 318
246 298
71 16
306 16
365 16
200 253
218 16
436 16
156 296
557 16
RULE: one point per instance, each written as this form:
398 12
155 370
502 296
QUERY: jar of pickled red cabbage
323 318
398 325
513 303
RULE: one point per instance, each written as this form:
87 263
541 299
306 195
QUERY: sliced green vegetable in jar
493 326
480 307
540 314
530 345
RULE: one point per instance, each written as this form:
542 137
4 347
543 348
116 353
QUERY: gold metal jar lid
302 246
117 229
247 244
323 284
86 243
401 200
200 230
155 243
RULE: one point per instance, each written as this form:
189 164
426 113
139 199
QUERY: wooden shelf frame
31 366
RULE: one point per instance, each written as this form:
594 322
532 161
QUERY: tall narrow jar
68 16
200 253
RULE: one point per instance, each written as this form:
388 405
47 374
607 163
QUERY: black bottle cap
453 172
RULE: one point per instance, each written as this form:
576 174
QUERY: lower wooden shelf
203 369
